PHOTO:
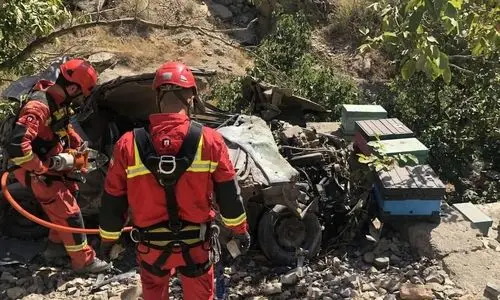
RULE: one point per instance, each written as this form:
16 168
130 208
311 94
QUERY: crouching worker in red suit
165 175
42 131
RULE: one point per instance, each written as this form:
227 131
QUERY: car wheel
16 225
281 232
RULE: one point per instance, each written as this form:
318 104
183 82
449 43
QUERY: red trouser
155 287
62 208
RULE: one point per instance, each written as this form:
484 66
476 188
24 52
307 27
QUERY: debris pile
382 270
324 162
239 12
385 271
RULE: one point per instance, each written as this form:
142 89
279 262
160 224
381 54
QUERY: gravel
361 271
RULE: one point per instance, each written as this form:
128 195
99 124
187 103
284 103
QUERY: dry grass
141 52
349 16
142 49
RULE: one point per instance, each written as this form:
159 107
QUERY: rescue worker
164 175
43 130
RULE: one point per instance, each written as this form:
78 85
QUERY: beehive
403 146
385 129
409 191
357 112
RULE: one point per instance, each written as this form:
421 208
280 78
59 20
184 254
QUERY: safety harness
41 147
174 233
57 123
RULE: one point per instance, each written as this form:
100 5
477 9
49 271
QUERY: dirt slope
140 48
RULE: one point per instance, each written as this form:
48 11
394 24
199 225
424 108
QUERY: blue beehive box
408 192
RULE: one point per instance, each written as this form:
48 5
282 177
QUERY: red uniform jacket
129 185
33 141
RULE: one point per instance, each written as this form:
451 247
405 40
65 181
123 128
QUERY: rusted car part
274 103
325 166
270 189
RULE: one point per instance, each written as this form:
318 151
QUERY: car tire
16 225
269 241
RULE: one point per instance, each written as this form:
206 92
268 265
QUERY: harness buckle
168 160
132 235
175 226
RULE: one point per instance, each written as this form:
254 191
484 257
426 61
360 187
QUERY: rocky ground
385 270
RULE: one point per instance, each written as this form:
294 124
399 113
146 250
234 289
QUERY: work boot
54 251
97 266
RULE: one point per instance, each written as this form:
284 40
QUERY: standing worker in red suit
164 175
42 131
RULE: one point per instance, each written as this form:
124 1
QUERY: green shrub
227 95
324 85
460 123
284 59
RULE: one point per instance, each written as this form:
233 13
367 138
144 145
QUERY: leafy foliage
378 160
227 95
454 108
460 123
284 58
22 20
418 32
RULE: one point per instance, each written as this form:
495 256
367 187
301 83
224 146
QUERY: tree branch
461 69
460 57
6 79
44 39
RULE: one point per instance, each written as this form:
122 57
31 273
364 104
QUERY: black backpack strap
167 168
144 144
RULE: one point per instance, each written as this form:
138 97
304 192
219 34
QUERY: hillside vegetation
444 84
432 64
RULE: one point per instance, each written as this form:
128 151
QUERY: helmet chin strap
68 98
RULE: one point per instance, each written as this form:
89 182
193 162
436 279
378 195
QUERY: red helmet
174 73
80 72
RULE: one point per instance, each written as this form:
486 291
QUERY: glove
105 250
243 241
44 169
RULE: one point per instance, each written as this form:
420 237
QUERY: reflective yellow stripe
21 160
203 166
62 133
75 248
164 243
137 169
109 235
59 113
236 221
199 165
165 229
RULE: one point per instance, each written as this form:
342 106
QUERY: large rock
272 288
381 262
473 270
467 260
415 292
89 5
453 234
117 71
102 60
220 11
15 292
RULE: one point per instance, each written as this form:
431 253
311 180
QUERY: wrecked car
292 179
